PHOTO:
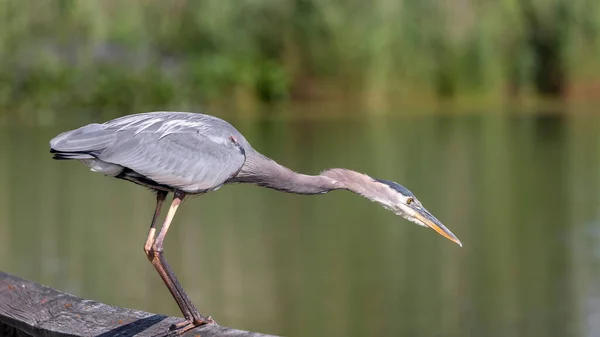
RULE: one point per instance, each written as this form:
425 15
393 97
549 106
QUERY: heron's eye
409 201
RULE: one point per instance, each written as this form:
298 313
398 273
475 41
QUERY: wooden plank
31 309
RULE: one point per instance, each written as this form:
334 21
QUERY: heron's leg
160 198
191 314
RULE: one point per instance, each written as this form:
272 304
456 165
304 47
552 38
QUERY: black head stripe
403 190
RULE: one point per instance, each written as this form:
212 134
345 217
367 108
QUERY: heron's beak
428 219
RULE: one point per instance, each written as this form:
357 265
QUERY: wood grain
31 309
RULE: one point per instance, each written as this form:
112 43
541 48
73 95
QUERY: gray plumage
190 152
196 153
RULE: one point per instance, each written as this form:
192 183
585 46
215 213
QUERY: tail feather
70 155
84 143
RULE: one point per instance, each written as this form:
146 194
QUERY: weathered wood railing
31 309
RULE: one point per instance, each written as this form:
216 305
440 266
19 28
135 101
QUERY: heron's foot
189 324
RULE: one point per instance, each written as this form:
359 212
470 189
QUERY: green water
521 192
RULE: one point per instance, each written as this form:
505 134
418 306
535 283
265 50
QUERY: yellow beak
428 219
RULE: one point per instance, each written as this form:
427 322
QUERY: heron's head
390 195
404 203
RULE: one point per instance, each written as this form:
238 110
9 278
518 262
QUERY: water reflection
520 192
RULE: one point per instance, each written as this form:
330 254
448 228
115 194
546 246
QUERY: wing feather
190 162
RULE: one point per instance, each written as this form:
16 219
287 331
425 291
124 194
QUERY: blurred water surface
520 191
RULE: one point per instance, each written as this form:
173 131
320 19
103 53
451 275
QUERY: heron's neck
263 171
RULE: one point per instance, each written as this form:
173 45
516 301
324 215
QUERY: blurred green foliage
165 54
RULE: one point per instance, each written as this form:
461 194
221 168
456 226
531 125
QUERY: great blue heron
189 153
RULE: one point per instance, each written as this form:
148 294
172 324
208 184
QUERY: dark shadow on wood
135 327
7 330
31 309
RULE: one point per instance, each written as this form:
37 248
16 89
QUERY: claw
183 326
186 325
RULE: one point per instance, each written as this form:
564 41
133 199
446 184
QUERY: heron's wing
191 152
189 161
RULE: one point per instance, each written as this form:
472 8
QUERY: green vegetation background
129 56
